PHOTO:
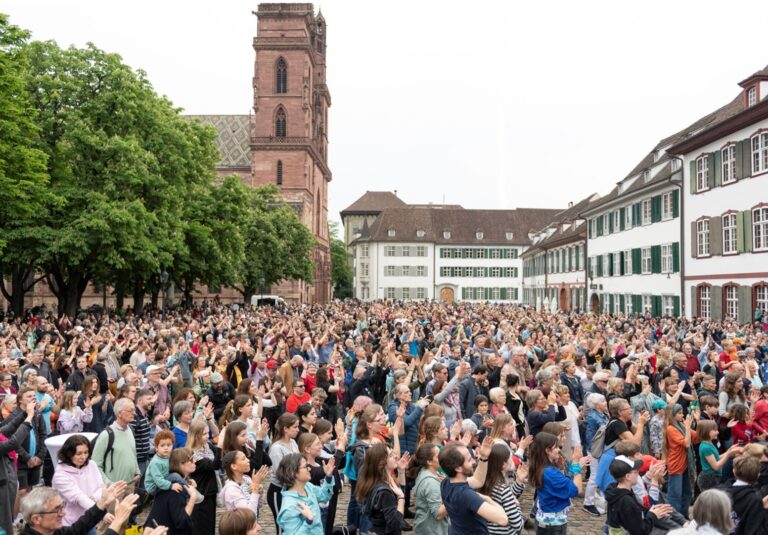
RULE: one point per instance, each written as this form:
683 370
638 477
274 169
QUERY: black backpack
110 447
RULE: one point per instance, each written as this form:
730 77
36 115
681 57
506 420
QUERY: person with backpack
596 419
114 449
381 496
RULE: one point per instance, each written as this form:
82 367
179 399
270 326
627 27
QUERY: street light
261 287
163 283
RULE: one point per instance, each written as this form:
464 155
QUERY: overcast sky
486 104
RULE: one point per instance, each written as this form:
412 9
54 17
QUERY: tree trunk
19 289
153 298
119 299
138 299
187 289
68 293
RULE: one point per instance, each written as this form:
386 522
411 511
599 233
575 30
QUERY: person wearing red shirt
760 419
692 361
298 397
727 357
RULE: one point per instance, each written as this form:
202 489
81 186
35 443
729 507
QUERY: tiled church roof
233 139
373 202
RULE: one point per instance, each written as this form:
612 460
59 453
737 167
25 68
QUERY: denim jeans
356 520
679 492
552 530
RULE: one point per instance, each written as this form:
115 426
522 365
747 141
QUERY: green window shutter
738 168
589 225
675 203
636 261
739 233
716 236
503 294
717 171
611 230
570 259
693 176
717 303
693 239
600 266
611 303
676 257
746 216
745 304
636 215
656 259
600 226
711 165
622 215
609 267
656 209
637 304
676 306
622 303
746 158
694 301
656 305
621 265
578 256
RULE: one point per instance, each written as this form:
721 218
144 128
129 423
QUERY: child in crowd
711 461
157 471
656 427
482 419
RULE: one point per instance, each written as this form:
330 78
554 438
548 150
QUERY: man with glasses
120 463
298 397
43 511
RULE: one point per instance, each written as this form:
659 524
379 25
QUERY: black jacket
748 513
77 378
220 398
381 508
168 510
624 511
205 473
38 426
85 523
16 430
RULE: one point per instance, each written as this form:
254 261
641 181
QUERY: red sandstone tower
289 134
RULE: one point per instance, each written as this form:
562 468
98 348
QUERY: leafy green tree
277 245
23 172
341 272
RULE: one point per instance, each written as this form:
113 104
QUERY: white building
554 267
449 254
633 245
726 207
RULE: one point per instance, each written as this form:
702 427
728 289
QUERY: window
479 235
495 253
279 172
729 233
628 304
509 235
666 258
389 250
628 217
729 163
512 294
592 228
406 293
406 251
365 292
647 212
616 264
421 250
668 302
495 293
702 237
616 221
510 272
647 304
364 251
391 233
421 271
761 297
760 153
280 123
363 269
466 272
389 293
760 229
406 271
616 304
732 302
702 173
389 271
495 272
628 262
281 76
752 96
606 265
446 234
419 233
480 253
705 301
445 271
421 293
646 260
666 206
479 272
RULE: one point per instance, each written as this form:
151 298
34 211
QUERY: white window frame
606 265
761 297
728 159
760 228
406 292
445 271
668 305
729 234
389 271
391 233
616 264
666 258
364 269
363 251
702 238
593 226
751 96
616 304
628 262
390 250
702 173
365 292
421 293
759 145
495 253
647 304
646 212
405 251
731 303
496 272
645 261
666 206
628 304
446 234
616 221
509 235
421 271
627 217
419 233
406 271
389 293
495 293
421 250
704 295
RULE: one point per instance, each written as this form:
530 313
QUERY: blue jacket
409 440
556 492
292 521
594 420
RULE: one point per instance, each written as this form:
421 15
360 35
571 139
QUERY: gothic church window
279 172
280 123
281 76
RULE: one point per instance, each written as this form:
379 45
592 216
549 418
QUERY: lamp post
163 284
261 287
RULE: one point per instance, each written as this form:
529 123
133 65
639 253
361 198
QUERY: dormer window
751 96
419 233
391 233
446 234
509 235
479 234
646 175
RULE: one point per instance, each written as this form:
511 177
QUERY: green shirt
428 500
120 464
705 450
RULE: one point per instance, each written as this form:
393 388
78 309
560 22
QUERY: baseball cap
623 465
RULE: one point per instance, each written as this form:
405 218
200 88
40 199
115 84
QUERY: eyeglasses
304 467
56 511
298 386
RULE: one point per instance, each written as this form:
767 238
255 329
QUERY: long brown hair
374 470
538 459
499 423
729 387
423 455
429 429
369 415
495 474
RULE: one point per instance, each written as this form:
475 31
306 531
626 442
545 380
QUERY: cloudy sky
494 104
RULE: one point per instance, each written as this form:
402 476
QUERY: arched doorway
564 304
446 295
595 304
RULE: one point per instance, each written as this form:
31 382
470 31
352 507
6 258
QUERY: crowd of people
221 419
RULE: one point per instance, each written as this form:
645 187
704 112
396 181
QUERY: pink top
80 488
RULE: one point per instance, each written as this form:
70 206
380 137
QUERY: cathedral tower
289 133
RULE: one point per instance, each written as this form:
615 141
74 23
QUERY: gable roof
373 202
233 138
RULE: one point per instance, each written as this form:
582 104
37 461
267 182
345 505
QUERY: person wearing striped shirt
504 492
